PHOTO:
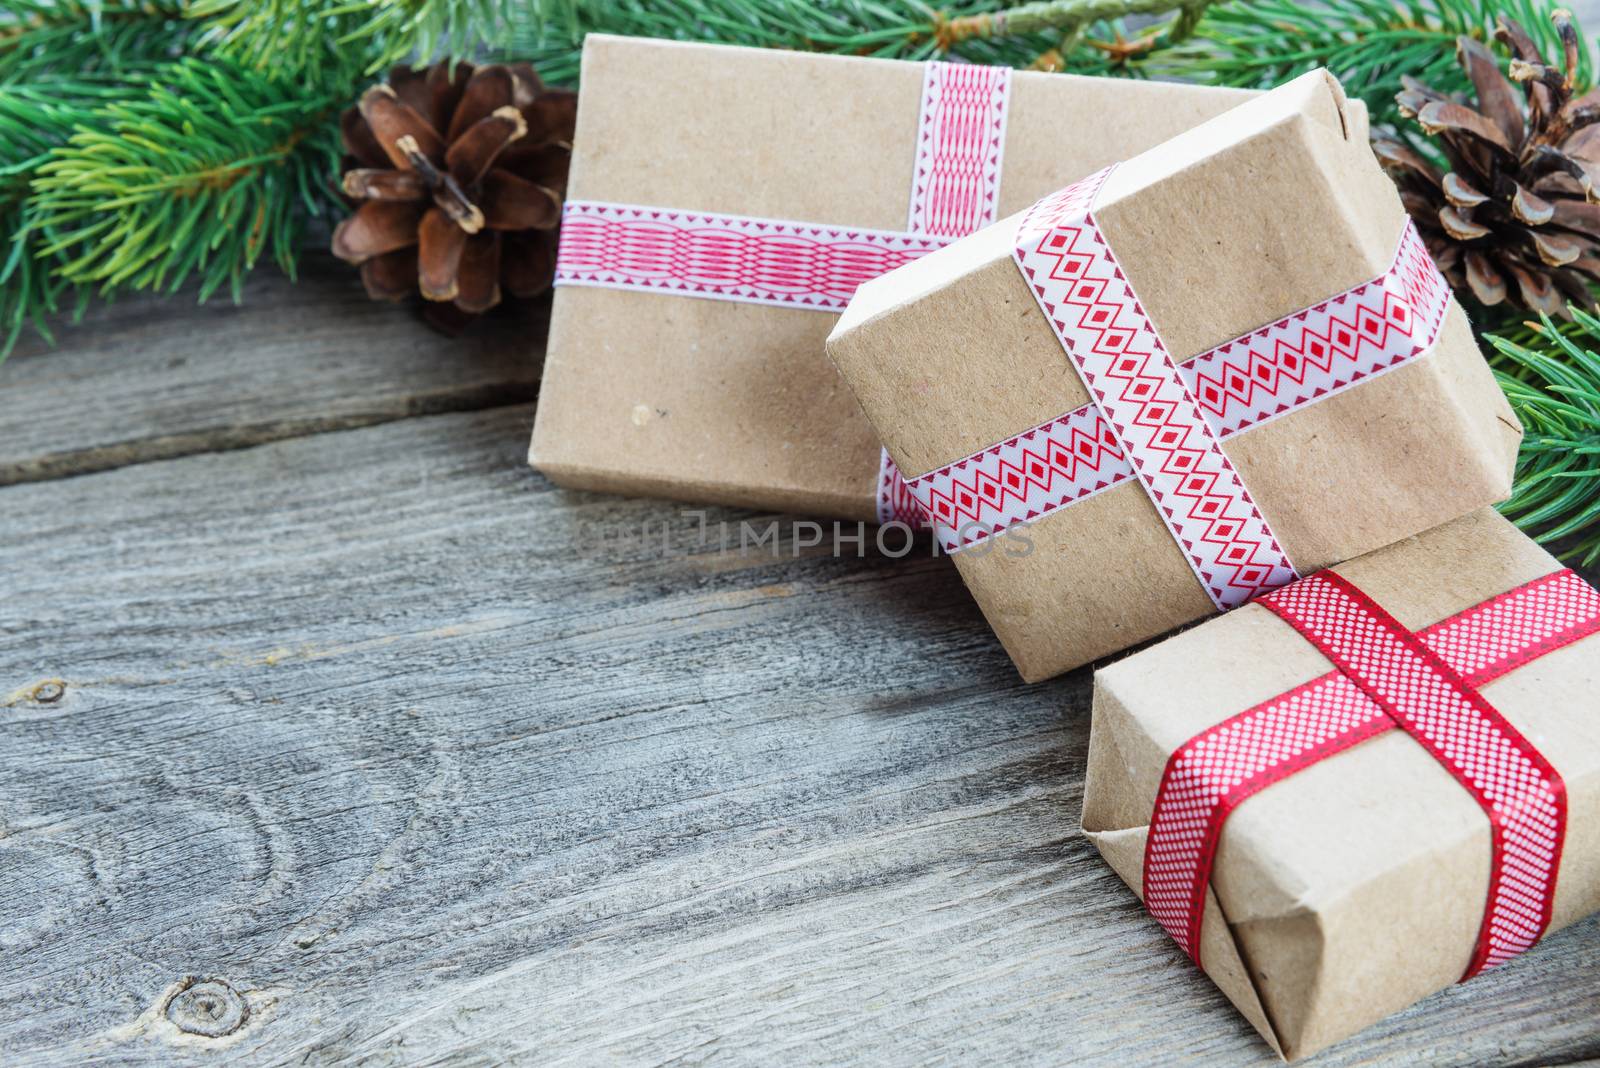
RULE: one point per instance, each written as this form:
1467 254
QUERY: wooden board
145 378
370 746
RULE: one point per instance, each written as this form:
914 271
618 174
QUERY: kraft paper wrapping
1267 209
711 401
1354 888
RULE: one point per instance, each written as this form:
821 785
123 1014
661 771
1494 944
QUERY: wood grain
371 747
147 378
360 744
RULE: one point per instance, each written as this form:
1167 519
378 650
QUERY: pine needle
34 120
1368 44
1554 385
78 38
328 40
1048 34
204 173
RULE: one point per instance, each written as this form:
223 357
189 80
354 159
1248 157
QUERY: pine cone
1515 218
459 177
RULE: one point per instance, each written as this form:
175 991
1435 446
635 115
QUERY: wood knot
208 1007
49 691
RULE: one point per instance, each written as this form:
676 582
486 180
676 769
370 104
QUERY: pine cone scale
433 93
471 154
1496 99
487 89
528 265
373 184
479 274
512 203
440 243
360 146
378 226
391 276
391 120
1530 208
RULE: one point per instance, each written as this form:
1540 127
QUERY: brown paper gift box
1355 887
1263 211
712 401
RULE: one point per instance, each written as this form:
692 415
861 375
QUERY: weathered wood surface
426 762
146 378
331 734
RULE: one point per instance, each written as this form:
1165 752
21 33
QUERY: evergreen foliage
148 143
335 41
1368 44
1050 34
84 38
1553 382
198 177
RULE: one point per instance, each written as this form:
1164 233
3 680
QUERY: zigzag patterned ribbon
1302 358
1073 274
1385 677
955 189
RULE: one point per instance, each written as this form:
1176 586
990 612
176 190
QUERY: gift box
1366 785
1180 382
722 205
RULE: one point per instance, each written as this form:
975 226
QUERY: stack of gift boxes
1139 354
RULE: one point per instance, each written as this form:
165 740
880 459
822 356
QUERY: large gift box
723 204
1366 785
1180 382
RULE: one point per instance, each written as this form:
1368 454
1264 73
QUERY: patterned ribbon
726 257
961 136
1385 677
1300 359
1134 381
955 189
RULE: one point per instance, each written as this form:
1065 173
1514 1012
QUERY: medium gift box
724 202
1180 382
1366 785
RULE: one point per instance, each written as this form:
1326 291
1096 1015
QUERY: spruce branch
1553 383
88 37
34 119
1047 33
1368 44
344 40
210 169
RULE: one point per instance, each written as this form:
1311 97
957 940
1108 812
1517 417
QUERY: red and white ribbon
955 189
1385 677
726 257
895 501
961 136
1176 455
1300 359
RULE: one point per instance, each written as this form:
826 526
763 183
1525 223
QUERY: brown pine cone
459 177
1515 217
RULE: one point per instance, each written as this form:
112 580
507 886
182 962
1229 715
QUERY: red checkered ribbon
955 189
1385 677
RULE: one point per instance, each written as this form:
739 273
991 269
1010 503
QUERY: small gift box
722 206
1180 382
1363 786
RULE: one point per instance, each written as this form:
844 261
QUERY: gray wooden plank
426 762
153 378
